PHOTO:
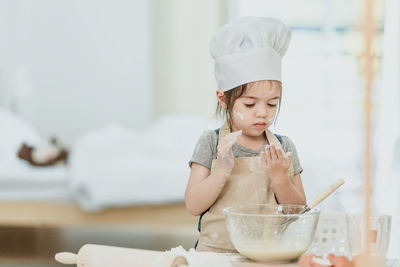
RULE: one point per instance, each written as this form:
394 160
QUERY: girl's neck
252 142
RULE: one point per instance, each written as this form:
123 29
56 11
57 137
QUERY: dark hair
230 98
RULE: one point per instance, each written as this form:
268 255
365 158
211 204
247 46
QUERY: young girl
243 162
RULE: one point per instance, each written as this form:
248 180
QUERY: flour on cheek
238 115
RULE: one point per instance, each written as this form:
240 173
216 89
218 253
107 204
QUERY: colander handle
324 194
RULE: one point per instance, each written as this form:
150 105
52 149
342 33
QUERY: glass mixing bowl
270 232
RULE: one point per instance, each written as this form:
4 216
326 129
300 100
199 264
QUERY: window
323 89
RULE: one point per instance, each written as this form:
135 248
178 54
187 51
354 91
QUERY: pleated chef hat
249 49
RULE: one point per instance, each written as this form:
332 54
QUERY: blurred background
127 87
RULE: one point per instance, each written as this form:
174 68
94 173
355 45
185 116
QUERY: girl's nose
261 111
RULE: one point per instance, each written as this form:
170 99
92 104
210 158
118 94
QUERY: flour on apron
247 184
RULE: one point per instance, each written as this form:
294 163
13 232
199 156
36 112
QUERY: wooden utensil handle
91 255
325 193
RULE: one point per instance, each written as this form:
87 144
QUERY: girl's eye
249 105
272 105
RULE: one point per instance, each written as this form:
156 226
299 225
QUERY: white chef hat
249 49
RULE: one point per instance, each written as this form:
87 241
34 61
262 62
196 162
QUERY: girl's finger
229 139
274 154
268 154
264 159
230 154
226 148
280 153
229 144
238 133
262 156
234 134
232 137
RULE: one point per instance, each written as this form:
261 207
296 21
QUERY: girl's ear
221 98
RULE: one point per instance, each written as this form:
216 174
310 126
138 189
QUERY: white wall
73 65
184 79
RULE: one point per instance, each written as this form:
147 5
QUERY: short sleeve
205 150
288 146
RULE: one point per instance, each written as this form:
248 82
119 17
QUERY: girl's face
255 110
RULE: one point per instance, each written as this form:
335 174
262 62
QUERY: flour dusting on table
201 259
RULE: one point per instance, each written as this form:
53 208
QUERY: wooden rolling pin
106 256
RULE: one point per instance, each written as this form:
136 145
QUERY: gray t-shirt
206 151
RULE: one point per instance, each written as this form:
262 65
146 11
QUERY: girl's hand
225 154
276 161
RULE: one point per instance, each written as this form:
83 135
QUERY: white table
389 263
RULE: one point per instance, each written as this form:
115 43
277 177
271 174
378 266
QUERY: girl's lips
259 125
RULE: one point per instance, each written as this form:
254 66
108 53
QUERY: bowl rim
228 210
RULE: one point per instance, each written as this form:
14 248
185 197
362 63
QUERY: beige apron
247 184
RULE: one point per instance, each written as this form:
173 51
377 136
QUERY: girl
243 162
